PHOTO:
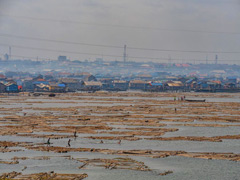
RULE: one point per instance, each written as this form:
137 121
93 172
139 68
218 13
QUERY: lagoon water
182 167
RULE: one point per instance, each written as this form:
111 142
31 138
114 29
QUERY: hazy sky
187 25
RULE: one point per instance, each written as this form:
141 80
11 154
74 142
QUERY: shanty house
89 78
41 88
41 81
71 84
120 85
2 88
175 84
203 85
92 85
232 79
156 86
2 77
28 85
107 83
11 88
138 85
57 87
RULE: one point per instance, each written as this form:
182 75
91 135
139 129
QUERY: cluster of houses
8 85
87 82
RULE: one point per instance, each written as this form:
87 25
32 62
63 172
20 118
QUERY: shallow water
197 169
203 131
182 167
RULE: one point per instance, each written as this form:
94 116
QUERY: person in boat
119 142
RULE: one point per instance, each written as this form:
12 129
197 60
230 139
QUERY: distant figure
175 110
25 167
181 98
174 98
119 142
69 145
24 114
75 134
48 141
101 142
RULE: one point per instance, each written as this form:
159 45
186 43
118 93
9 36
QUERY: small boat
195 100
52 95
37 94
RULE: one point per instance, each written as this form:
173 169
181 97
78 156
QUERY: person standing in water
48 142
75 134
69 145
119 142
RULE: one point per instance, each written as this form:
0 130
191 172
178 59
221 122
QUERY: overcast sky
187 25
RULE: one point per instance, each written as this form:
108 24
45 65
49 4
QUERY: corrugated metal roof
156 84
92 83
119 81
61 85
174 84
138 82
217 82
40 82
69 80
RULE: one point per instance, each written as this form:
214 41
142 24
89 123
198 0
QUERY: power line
58 41
106 55
30 57
118 47
60 51
120 26
186 51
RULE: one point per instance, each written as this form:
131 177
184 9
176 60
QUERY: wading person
119 142
48 142
69 145
75 134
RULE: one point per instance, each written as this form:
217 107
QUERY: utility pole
10 52
125 54
216 59
169 60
